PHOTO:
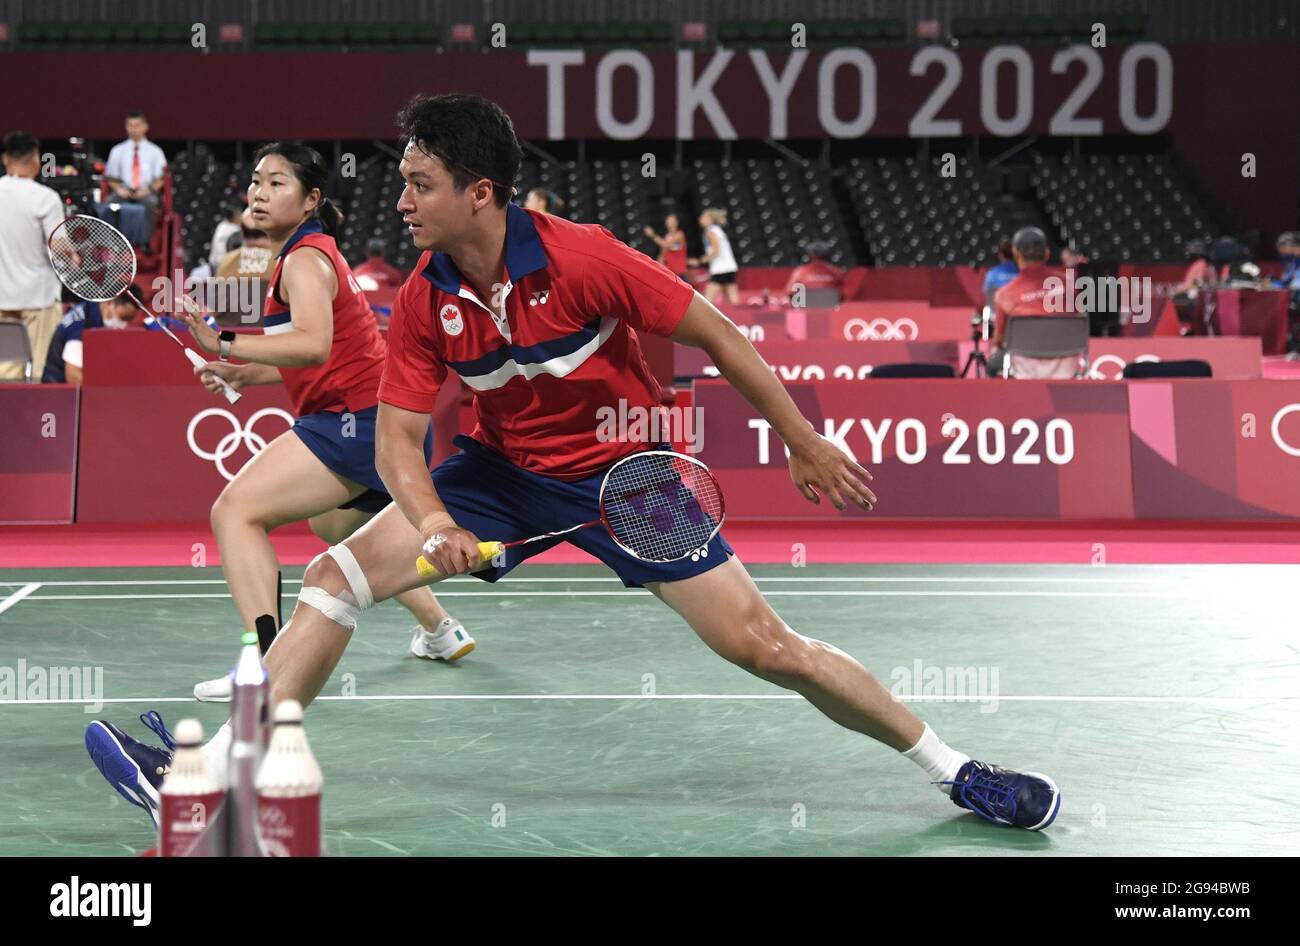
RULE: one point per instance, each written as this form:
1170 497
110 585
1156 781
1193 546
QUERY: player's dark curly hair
472 136
312 172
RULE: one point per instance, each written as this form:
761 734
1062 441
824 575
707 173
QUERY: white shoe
214 691
449 641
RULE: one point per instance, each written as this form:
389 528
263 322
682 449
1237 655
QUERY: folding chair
1046 337
15 345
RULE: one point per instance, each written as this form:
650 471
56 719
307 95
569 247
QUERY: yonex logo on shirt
539 298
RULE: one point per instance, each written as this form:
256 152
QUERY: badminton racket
659 506
97 263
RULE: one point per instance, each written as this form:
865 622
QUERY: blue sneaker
135 769
1021 799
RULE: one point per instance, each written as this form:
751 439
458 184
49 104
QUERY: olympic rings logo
1094 369
229 443
1276 430
881 330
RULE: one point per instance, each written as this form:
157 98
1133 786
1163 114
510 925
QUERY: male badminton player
535 314
321 339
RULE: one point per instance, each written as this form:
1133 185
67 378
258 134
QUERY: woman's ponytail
329 215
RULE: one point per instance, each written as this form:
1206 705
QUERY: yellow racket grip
486 551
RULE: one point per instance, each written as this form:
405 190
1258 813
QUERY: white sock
216 752
939 760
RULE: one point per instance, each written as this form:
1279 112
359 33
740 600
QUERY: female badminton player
322 341
541 374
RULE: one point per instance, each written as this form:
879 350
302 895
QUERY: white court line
494 697
18 595
1183 595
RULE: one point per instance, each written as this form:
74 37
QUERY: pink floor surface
883 541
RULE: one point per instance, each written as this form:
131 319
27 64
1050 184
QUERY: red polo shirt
817 274
1024 295
572 296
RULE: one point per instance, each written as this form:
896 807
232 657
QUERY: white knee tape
345 607
340 609
353 573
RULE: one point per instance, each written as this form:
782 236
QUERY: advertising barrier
937 449
38 452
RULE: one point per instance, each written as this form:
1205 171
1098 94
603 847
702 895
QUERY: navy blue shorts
498 501
351 456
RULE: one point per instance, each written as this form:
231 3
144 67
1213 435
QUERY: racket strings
92 258
661 506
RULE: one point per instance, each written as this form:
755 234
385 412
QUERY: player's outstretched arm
237 376
307 283
399 460
816 465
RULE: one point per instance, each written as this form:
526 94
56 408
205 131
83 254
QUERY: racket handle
486 550
199 361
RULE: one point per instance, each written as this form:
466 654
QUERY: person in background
376 269
250 256
1198 275
136 169
248 259
29 212
65 359
1027 295
379 279
223 232
1001 274
672 246
1072 258
1288 251
816 273
721 261
1199 271
543 201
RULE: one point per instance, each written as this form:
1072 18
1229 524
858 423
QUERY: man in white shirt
29 212
135 169
223 232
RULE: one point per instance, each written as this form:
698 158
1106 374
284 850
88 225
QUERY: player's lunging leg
437 635
728 612
375 563
335 591
372 565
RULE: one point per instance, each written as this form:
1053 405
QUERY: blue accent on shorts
498 501
353 456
